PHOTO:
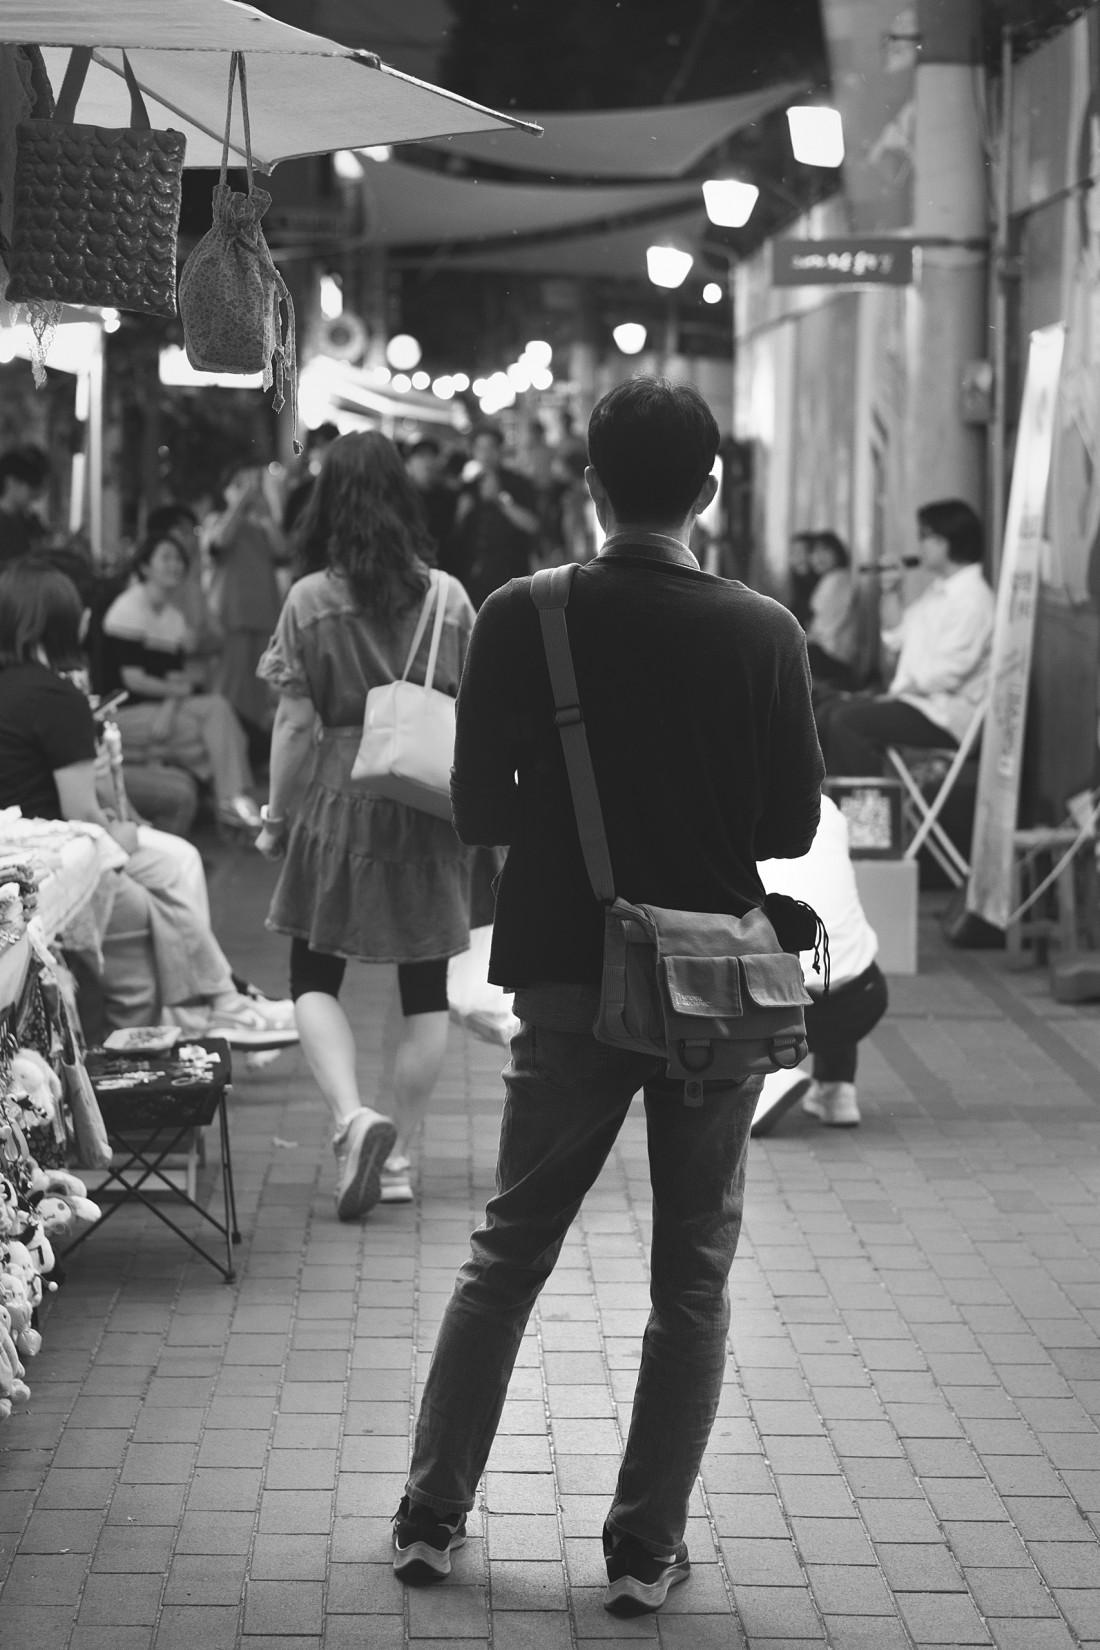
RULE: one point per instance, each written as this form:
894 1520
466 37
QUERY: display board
998 796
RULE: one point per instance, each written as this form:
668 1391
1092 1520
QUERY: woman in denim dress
362 877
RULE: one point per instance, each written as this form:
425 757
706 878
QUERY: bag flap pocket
774 980
703 988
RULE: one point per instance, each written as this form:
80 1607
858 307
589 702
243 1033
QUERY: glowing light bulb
538 353
630 337
403 352
817 134
668 266
729 201
421 380
712 293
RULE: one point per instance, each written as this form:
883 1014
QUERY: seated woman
146 643
831 638
48 769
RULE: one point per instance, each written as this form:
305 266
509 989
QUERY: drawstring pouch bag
717 997
97 208
231 296
408 743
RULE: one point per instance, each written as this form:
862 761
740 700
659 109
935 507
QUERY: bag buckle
568 716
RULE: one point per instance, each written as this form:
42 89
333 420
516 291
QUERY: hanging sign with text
853 261
998 798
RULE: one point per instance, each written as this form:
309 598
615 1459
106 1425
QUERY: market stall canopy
411 206
626 143
617 251
307 95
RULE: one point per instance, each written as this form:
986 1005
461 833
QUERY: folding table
150 1103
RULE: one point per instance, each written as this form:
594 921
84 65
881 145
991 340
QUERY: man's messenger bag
716 996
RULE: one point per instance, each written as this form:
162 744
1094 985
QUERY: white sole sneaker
369 1140
834 1104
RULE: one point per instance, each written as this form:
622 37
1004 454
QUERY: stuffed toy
16 1298
36 1090
12 1387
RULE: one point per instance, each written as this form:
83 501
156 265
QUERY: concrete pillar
950 206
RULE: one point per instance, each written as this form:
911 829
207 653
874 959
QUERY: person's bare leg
329 1047
363 1137
418 1060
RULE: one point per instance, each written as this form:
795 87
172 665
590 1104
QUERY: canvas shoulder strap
550 593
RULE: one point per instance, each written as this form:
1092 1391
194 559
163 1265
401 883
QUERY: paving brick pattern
907 1451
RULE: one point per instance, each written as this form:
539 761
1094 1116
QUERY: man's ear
705 495
598 493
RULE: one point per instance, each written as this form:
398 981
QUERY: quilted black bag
96 210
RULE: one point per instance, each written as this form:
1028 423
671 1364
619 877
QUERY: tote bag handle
438 590
73 85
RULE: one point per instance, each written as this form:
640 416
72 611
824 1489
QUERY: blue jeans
566 1098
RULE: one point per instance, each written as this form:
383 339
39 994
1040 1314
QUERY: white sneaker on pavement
834 1103
396 1187
361 1148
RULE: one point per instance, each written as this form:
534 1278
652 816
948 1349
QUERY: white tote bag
482 1008
408 742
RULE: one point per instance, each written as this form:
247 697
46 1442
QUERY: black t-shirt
45 724
696 698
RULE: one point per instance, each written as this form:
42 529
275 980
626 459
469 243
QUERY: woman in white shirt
942 644
857 999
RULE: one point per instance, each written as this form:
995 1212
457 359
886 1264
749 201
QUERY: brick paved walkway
907 1452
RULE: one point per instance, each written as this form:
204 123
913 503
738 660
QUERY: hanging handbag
408 743
231 294
715 996
97 208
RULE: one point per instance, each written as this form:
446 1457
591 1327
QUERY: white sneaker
395 1185
244 1022
834 1103
361 1148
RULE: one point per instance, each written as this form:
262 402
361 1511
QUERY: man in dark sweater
696 697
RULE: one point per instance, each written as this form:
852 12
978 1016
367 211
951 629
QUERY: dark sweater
696 697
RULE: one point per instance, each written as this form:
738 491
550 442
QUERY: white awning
307 95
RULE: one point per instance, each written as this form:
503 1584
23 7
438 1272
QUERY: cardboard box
888 893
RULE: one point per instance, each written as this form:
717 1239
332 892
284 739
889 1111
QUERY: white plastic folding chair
929 831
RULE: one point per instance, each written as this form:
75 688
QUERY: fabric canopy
611 251
624 143
409 206
307 95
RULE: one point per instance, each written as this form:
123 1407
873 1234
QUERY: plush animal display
12 1386
36 1090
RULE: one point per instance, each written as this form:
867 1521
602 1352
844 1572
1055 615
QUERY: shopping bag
96 208
408 742
477 1005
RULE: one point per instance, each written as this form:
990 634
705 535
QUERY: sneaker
834 1103
361 1148
638 1580
248 1022
423 1542
780 1091
396 1187
239 815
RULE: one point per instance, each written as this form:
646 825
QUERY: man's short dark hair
426 444
652 444
27 464
958 523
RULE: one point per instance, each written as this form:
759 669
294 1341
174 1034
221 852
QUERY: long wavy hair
364 522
